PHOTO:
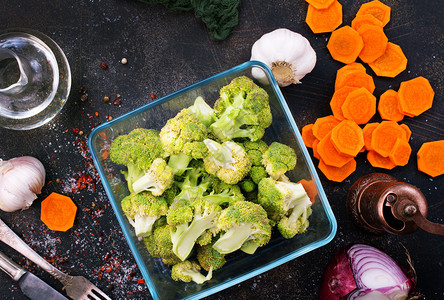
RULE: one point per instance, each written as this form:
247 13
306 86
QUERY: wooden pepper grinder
379 203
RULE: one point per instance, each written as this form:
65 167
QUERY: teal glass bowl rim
283 259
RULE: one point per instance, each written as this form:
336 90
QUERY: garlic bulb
21 178
288 54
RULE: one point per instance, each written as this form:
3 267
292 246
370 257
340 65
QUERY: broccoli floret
223 194
157 179
257 173
241 222
202 111
247 185
159 245
179 163
228 161
142 211
287 203
182 130
255 150
187 271
195 182
279 159
243 111
209 258
136 150
191 219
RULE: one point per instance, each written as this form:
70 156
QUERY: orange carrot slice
328 153
377 9
345 44
324 20
378 161
320 4
310 189
400 153
385 135
407 130
391 63
388 106
430 158
347 137
354 78
315 149
375 42
58 212
307 135
415 96
335 173
338 100
322 126
367 131
359 106
360 20
353 66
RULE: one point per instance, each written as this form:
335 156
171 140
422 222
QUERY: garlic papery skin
21 179
288 54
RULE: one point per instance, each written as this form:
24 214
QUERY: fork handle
14 241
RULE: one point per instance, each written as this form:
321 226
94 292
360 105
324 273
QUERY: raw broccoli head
156 179
188 271
255 150
241 222
257 173
181 130
191 219
228 161
224 194
247 185
142 211
137 151
279 159
287 204
243 111
209 258
159 245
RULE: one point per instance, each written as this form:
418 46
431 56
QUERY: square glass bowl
239 266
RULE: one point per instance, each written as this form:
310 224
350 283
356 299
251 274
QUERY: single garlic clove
288 54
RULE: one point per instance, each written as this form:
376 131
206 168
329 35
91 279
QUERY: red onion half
362 272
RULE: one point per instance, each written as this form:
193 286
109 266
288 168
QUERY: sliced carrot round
307 135
391 63
407 130
360 20
430 158
324 20
335 173
355 78
378 161
315 149
385 135
338 99
328 153
415 96
367 132
58 212
400 153
375 42
348 138
345 44
320 4
322 126
359 106
388 106
377 9
310 189
353 66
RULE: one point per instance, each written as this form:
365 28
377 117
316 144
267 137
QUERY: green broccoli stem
220 199
179 163
230 125
144 183
183 245
143 225
233 239
300 212
131 175
249 247
198 277
222 155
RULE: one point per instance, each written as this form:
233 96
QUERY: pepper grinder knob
379 203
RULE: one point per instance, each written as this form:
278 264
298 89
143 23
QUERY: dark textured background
167 51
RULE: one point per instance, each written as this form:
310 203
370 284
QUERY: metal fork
77 287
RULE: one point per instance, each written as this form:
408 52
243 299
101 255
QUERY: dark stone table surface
167 51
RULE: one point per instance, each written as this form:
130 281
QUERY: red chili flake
76 131
103 65
117 102
141 281
96 113
153 96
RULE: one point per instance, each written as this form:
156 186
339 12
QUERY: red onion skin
338 280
